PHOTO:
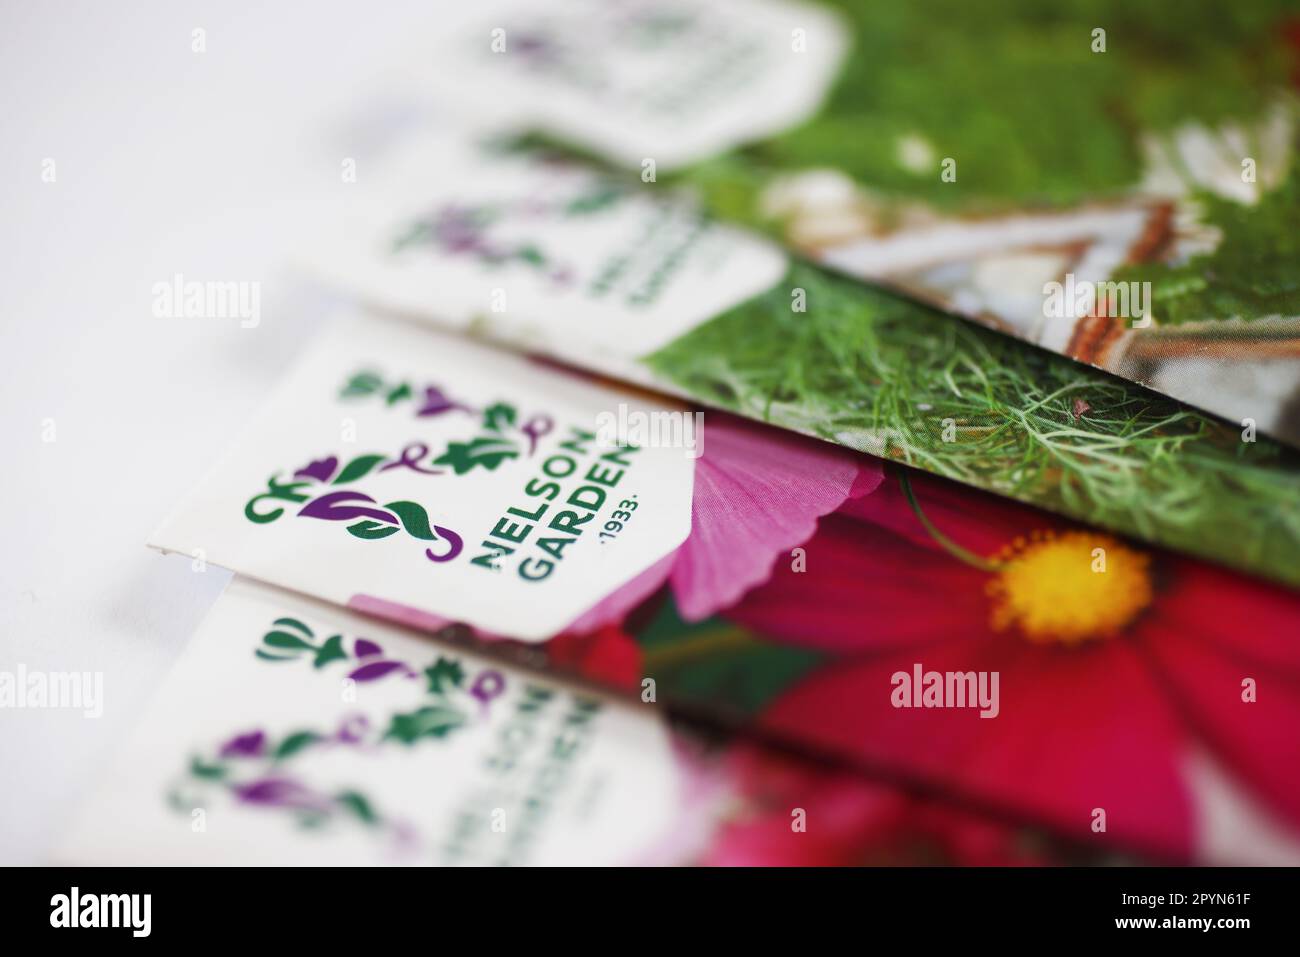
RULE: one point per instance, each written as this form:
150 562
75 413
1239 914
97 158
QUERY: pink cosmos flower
1111 681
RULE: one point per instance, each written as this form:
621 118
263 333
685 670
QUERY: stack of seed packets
517 244
399 468
293 732
613 526
758 582
1127 209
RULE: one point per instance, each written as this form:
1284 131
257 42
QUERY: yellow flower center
1069 588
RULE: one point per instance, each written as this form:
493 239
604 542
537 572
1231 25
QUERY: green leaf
370 529
414 519
444 669
499 416
432 721
489 452
294 743
210 772
357 468
282 639
358 805
363 383
332 650
531 255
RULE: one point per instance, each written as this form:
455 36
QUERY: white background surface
167 161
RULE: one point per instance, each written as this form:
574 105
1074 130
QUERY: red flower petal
1255 622
1077 730
977 521
608 655
1204 663
865 587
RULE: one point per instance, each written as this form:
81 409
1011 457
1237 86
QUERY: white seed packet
536 252
654 84
400 466
295 733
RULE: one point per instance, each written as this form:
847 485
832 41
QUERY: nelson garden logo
474 231
254 768
331 489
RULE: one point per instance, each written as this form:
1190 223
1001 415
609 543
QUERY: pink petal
758 493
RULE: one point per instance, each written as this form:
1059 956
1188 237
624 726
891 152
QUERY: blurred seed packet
478 483
294 733
1039 171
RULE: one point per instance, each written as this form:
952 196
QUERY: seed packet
294 733
1110 183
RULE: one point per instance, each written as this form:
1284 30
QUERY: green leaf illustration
370 529
293 623
487 451
499 416
294 743
414 519
211 772
287 641
332 650
531 255
444 669
431 721
363 383
358 805
357 468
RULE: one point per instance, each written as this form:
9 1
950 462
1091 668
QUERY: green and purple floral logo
257 769
474 231
315 488
320 488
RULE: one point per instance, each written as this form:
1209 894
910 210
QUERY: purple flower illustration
320 469
378 666
329 507
250 745
281 792
437 402
352 729
378 669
